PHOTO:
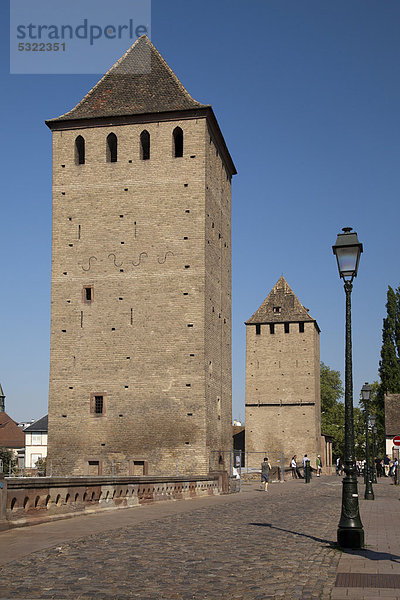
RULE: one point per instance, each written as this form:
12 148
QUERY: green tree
332 410
389 364
8 460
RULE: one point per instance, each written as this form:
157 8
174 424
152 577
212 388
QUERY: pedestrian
338 466
394 470
378 465
305 461
386 465
293 464
319 465
265 468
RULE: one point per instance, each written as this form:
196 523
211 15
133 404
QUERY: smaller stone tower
283 406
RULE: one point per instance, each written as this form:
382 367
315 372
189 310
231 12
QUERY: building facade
140 365
36 442
283 405
392 423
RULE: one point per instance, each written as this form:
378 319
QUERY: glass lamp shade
347 251
372 420
366 391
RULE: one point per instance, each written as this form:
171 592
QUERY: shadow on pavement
311 537
372 554
364 552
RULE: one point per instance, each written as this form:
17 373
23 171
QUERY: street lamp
372 421
365 395
350 532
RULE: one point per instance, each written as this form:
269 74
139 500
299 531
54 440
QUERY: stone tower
140 363
283 406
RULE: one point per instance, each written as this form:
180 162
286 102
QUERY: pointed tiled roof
281 305
139 82
1 391
11 436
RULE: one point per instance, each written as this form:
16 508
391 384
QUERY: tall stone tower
283 405
140 364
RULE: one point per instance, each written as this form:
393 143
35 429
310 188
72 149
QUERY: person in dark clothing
265 468
378 466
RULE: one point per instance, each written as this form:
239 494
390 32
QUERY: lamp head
366 392
347 251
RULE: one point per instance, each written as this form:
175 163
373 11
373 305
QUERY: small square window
277 310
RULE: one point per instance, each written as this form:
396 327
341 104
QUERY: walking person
386 465
293 464
265 469
305 461
394 470
319 465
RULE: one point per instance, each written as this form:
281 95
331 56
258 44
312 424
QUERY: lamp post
365 395
372 421
350 532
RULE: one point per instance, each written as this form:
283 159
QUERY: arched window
145 145
111 150
178 142
79 150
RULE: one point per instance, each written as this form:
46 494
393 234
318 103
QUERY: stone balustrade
26 501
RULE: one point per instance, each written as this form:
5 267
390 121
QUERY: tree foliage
8 459
389 364
333 412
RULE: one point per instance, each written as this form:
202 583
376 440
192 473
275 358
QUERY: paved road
256 546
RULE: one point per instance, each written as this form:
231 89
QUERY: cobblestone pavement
267 545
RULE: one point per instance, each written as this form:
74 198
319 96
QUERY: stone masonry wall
136 232
283 389
27 501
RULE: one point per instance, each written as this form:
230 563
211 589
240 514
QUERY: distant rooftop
39 425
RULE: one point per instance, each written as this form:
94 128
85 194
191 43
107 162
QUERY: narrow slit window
88 294
79 150
286 327
178 142
258 329
272 328
145 145
111 149
301 327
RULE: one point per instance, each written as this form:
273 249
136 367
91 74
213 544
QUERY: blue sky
307 97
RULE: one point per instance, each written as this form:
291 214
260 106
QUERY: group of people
385 467
295 468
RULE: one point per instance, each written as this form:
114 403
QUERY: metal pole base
369 495
350 538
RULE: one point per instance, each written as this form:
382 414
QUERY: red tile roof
11 436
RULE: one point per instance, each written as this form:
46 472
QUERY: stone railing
26 501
